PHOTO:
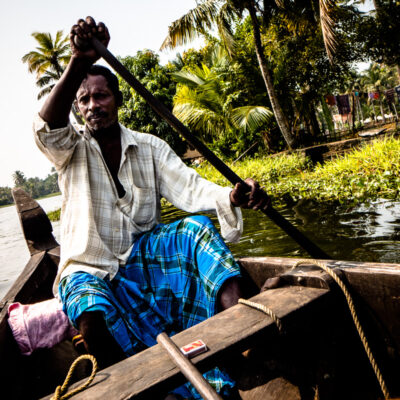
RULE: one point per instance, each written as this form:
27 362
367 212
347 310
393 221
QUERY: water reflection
367 232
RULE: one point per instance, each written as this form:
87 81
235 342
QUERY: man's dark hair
112 80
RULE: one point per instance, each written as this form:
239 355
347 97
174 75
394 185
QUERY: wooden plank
376 287
262 268
235 329
23 280
35 224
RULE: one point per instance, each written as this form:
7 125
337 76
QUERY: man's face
97 103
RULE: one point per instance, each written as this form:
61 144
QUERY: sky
133 24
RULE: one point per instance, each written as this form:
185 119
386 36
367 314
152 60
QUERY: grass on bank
54 215
369 173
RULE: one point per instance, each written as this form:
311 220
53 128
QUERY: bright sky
133 25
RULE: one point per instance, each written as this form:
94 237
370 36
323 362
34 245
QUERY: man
123 277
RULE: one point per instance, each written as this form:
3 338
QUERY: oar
164 113
207 392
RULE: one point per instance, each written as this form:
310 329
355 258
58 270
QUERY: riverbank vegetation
368 173
35 187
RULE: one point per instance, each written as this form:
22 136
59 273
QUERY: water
14 253
368 232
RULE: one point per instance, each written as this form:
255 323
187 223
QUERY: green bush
366 174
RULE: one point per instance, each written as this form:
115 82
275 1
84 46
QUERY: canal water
367 232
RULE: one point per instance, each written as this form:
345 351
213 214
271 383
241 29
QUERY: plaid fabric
170 283
97 227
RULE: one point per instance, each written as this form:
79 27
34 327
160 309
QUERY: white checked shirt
98 228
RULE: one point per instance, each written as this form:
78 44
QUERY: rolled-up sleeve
56 144
187 190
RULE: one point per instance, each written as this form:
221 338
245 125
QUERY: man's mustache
98 114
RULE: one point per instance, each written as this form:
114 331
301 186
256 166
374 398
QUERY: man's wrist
81 63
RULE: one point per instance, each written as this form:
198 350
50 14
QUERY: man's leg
230 293
191 274
98 340
94 310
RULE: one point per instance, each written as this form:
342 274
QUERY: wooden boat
317 356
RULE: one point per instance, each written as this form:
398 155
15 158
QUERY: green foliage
135 113
36 187
266 170
380 33
205 101
54 215
49 59
5 196
369 173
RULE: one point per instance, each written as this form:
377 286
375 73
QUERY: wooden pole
164 113
206 391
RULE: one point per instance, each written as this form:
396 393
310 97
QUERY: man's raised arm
57 106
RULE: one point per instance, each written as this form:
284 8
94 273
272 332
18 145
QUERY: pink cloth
39 325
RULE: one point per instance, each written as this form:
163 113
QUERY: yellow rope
265 310
59 393
360 331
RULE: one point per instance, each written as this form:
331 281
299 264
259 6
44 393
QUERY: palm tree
221 13
202 103
49 59
378 78
19 178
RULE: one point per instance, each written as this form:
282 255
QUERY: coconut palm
49 59
19 178
202 103
222 13
378 78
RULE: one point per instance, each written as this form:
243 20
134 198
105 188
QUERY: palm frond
45 91
194 109
48 77
44 39
191 25
224 17
249 118
327 27
188 78
49 55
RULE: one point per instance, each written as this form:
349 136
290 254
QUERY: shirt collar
127 138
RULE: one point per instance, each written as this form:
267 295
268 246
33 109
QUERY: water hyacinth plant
368 173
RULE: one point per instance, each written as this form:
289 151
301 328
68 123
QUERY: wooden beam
375 286
234 330
35 224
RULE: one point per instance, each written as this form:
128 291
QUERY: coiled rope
353 313
59 393
265 310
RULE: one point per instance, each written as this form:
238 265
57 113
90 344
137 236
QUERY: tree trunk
316 131
267 77
360 110
381 107
398 71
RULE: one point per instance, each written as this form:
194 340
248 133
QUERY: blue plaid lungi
169 283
